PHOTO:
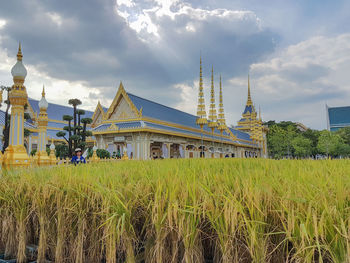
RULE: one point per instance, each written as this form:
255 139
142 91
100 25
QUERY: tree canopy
285 140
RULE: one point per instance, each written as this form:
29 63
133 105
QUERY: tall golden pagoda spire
19 53
212 112
249 100
201 114
213 121
221 119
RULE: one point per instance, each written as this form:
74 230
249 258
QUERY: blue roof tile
249 109
164 113
55 111
27 124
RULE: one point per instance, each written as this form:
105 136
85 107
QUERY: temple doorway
190 149
156 150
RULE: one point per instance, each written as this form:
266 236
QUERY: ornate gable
122 107
98 115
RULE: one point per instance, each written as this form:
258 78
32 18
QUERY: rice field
212 210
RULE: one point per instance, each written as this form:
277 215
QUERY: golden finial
43 92
19 53
221 120
212 112
249 101
201 114
259 113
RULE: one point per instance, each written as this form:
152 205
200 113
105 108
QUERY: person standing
78 158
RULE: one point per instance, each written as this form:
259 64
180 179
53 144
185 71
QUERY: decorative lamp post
16 154
201 114
41 156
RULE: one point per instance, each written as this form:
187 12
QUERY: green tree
62 151
279 140
77 134
75 103
329 143
302 146
276 141
291 133
344 133
312 135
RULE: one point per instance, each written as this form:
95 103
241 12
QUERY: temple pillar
16 154
41 156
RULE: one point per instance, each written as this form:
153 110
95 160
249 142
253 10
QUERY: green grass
228 210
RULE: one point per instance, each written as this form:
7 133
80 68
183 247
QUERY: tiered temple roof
156 117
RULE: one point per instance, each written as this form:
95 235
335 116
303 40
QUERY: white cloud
187 95
293 84
2 23
150 20
296 82
127 3
55 17
57 90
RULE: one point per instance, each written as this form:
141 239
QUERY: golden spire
221 120
249 100
201 114
43 92
259 113
19 53
212 112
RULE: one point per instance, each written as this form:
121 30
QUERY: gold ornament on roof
201 114
221 120
212 112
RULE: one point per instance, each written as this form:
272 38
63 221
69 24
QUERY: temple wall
146 146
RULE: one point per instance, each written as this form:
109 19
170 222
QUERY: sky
297 52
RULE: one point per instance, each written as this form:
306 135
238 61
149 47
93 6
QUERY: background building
337 117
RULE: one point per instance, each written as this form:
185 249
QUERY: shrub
102 153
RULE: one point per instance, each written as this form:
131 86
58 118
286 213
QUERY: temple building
143 129
337 117
139 128
252 123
